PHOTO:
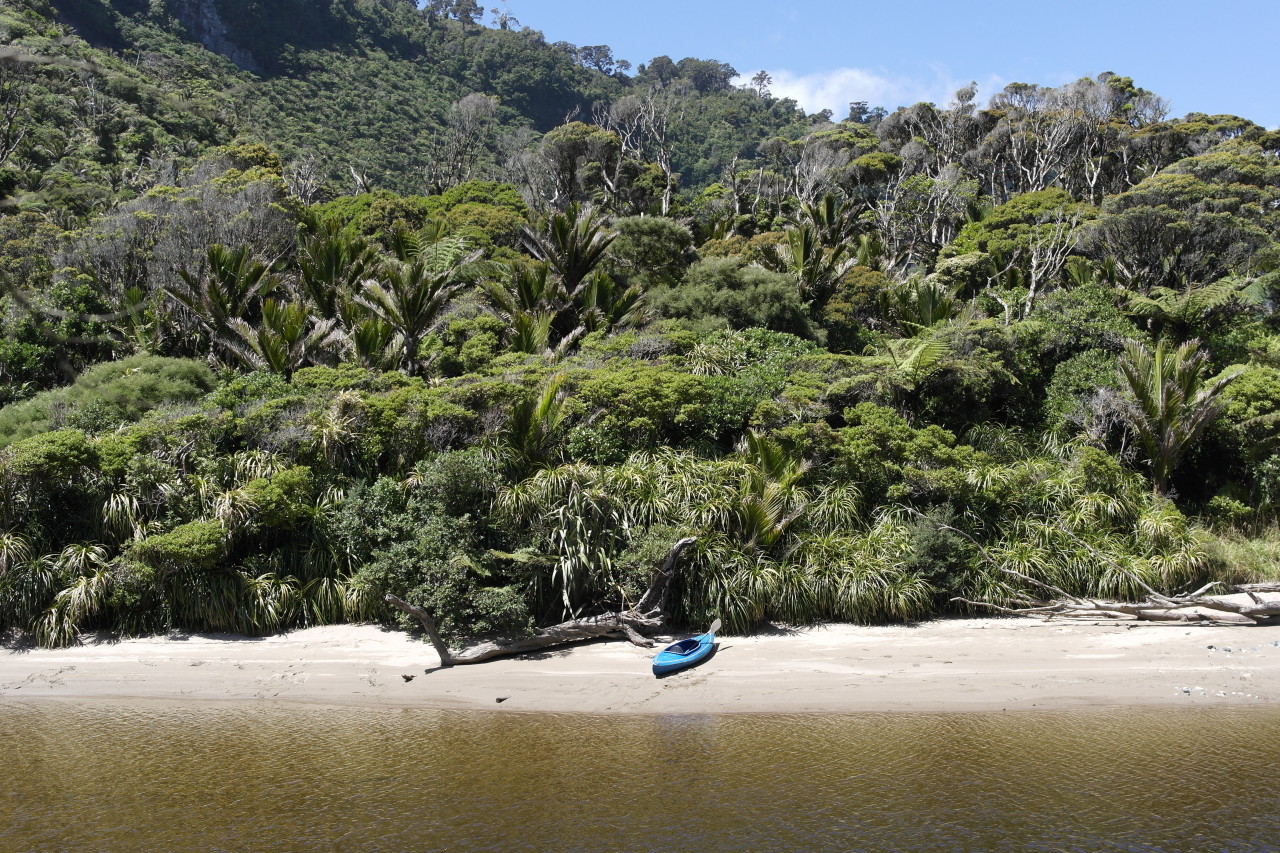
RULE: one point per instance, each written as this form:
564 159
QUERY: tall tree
1172 402
413 292
573 243
289 337
230 286
454 152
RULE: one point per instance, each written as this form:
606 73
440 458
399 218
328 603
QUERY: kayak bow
687 652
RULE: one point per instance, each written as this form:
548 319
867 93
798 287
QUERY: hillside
307 303
352 84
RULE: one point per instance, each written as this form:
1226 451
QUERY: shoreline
950 665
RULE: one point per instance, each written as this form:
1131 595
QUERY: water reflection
251 777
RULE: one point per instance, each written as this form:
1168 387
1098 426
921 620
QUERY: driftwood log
1198 607
648 615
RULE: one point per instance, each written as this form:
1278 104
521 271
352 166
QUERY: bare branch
1156 608
647 615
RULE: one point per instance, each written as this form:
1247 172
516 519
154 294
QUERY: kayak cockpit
684 647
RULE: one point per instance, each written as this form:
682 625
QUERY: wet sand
945 665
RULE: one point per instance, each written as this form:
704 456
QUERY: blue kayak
686 652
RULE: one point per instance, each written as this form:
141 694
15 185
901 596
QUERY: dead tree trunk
1196 607
1156 607
648 615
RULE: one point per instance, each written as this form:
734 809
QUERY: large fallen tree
648 615
1248 606
1243 602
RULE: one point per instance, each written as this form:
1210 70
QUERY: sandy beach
985 664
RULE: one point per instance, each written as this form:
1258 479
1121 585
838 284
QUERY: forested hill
369 85
305 303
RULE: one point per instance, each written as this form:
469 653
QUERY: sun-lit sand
987 664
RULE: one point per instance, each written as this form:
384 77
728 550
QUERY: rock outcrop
201 17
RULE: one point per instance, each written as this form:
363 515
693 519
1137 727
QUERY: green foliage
166 437
196 545
107 396
856 306
486 207
768 547
1239 449
1180 314
48 326
390 212
964 274
572 244
761 352
1007 230
791 393
650 251
1240 558
919 305
1071 394
1229 513
405 540
890 460
468 345
81 151
494 193
744 296
646 406
1082 524
938 555
1251 407
401 426
531 437
446 586
282 500
1073 320
1172 401
411 296
487 225
53 457
1198 221
956 374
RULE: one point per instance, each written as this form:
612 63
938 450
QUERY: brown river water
230 777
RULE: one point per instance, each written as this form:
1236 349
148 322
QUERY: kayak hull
684 654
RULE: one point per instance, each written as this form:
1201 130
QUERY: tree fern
1171 401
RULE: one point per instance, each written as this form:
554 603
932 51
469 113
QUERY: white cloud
836 89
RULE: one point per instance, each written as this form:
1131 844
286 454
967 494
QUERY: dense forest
309 302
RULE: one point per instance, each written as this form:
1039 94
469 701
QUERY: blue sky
1214 57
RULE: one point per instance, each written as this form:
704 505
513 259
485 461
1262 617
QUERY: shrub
108 395
54 457
643 405
1229 513
650 250
283 499
197 545
744 296
406 541
172 435
1069 397
853 308
467 345
939 556
1078 319
402 426
887 458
